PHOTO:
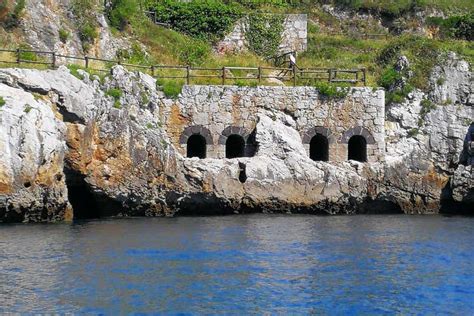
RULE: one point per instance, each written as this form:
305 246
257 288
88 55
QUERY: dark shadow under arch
196 146
357 148
235 146
319 148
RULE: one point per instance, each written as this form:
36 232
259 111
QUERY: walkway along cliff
85 148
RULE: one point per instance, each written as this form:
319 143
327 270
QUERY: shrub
63 35
331 91
413 132
87 34
389 78
398 96
193 52
134 55
2 102
85 17
114 93
12 19
264 33
73 69
460 26
210 19
170 88
27 108
121 11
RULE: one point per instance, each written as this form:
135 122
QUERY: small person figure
292 60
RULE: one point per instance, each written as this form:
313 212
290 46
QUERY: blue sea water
254 264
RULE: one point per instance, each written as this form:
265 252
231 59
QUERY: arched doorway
234 146
319 148
196 146
357 148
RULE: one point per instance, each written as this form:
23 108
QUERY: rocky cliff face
72 150
44 20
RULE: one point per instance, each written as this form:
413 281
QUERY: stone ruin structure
220 121
294 37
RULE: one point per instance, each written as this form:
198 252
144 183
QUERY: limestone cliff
69 149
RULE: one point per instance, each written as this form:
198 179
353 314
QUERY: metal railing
190 74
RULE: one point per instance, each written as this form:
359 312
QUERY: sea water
247 264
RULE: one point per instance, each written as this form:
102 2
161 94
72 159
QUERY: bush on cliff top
121 12
210 19
460 26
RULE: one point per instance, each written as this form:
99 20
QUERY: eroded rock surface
67 144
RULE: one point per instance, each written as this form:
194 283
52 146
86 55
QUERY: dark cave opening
319 148
87 204
196 146
81 198
357 148
235 146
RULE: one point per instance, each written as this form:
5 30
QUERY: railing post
152 71
329 75
53 62
188 74
18 55
364 73
259 74
86 59
294 75
223 76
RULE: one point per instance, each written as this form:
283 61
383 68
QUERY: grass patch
64 35
2 101
27 108
114 93
332 91
170 88
73 69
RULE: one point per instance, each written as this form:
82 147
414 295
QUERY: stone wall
215 112
294 36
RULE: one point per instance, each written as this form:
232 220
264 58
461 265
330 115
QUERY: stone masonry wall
216 112
294 36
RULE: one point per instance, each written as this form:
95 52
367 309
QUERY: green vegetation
27 108
73 69
171 88
63 35
459 26
121 12
116 94
332 91
210 19
413 132
2 101
84 12
264 33
399 7
12 18
27 55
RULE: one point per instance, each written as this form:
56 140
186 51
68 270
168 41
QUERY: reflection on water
241 264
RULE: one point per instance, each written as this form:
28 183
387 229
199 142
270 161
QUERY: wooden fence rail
227 74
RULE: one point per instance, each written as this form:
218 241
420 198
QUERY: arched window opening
357 148
196 146
234 146
319 148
